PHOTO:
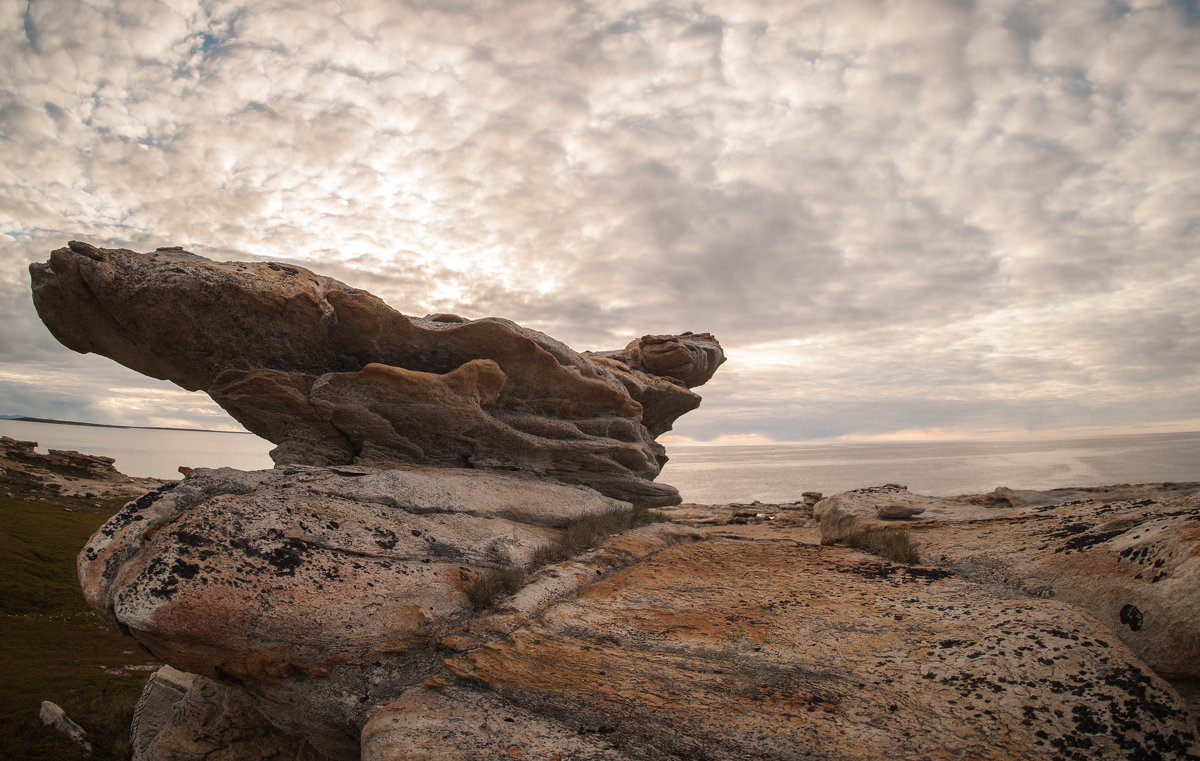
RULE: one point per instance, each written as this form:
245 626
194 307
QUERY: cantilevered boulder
332 375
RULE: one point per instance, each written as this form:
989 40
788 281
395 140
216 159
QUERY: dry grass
892 545
580 535
494 583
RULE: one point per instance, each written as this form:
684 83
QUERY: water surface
717 474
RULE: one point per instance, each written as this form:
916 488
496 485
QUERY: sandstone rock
155 709
320 591
209 721
739 650
1130 557
67 472
53 716
860 510
304 600
333 375
897 512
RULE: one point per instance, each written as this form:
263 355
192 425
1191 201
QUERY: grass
892 545
580 535
52 646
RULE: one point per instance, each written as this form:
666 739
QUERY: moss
892 545
54 647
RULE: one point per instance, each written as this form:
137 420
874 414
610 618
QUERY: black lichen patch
132 511
903 574
1131 617
169 576
286 558
190 539
1085 541
385 538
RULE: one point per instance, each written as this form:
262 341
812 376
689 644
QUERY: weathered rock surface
202 720
655 646
52 715
67 472
755 650
323 590
1128 555
333 375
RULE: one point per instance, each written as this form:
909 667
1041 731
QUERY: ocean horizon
723 473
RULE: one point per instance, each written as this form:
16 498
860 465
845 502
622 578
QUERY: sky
902 220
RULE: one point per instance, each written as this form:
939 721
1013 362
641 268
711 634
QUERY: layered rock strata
333 375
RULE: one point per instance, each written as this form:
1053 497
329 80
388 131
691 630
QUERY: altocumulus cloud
921 215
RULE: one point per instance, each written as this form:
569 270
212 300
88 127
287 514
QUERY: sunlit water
718 474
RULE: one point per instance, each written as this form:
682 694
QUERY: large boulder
333 375
319 591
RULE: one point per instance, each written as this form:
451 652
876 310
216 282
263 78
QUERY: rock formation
331 609
1130 556
325 612
67 472
320 591
333 375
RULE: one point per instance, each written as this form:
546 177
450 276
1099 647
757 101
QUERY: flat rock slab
1132 562
746 650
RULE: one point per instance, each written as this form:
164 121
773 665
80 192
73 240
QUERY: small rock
898 512
56 718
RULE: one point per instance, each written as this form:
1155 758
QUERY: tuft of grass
492 583
580 535
892 545
588 531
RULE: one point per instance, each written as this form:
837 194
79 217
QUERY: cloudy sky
918 218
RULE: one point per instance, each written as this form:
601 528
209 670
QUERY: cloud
894 215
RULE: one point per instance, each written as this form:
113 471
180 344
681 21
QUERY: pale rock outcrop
898 512
320 591
333 375
303 598
52 715
872 508
767 649
1129 555
208 721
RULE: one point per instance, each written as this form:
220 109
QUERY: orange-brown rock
775 650
758 643
333 375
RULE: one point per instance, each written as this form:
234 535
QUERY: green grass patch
892 545
52 646
580 535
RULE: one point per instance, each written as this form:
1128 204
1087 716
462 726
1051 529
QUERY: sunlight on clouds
917 216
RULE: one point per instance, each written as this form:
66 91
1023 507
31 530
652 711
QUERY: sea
720 474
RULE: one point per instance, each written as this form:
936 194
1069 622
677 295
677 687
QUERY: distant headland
28 419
